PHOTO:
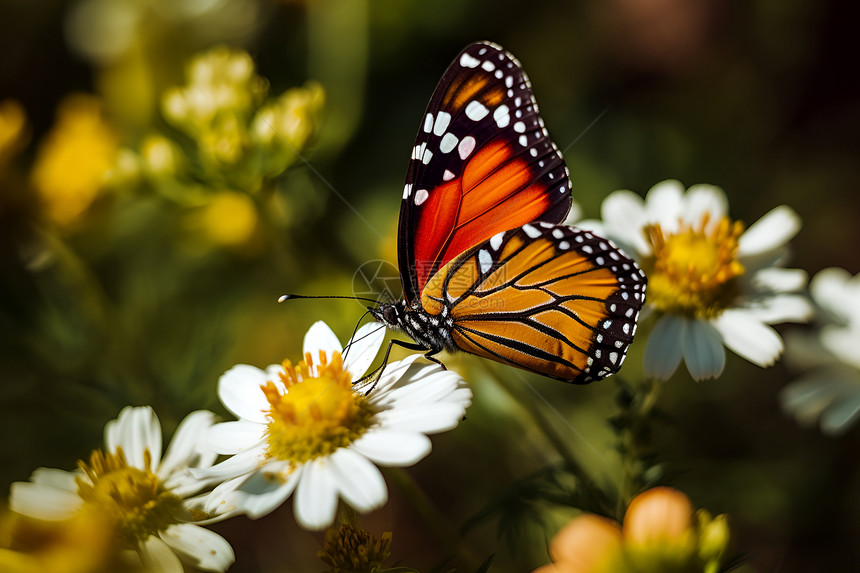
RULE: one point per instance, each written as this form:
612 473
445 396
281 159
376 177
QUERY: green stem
584 481
432 517
631 445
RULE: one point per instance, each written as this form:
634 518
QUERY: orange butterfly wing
482 163
551 299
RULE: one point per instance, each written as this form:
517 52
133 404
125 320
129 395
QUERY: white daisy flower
146 495
710 282
304 428
829 393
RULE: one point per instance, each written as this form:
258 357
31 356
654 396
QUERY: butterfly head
390 314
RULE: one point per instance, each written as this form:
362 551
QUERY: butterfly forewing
482 163
552 299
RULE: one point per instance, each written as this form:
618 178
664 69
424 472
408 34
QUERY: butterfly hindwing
551 299
482 163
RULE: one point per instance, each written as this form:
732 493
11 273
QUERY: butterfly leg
377 372
431 356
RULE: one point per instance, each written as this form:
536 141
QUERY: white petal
43 501
265 491
199 547
748 337
832 290
770 232
776 279
360 482
60 479
135 429
462 396
664 204
842 342
240 391
663 350
316 496
363 348
392 448
234 466
158 556
421 383
187 443
425 418
391 375
320 337
703 350
234 437
624 214
782 308
839 417
705 199
220 502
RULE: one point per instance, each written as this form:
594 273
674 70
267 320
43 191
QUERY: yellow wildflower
73 160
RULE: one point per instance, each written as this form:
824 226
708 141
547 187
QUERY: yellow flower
228 220
13 129
659 535
73 159
82 544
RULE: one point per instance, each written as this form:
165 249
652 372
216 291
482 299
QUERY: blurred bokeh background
146 232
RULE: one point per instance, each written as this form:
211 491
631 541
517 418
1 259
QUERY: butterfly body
432 331
485 263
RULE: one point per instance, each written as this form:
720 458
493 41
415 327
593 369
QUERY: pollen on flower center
318 413
136 498
693 270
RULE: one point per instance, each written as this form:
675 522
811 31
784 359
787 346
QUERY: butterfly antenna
285 297
352 338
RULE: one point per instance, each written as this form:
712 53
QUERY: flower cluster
302 427
711 282
146 498
232 135
660 534
829 391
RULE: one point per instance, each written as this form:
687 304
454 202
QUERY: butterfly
485 263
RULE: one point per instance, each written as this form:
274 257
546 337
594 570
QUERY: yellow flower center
136 498
318 413
693 270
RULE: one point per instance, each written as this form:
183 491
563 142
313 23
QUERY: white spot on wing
485 260
524 141
407 190
428 155
468 61
428 123
448 143
531 231
466 147
502 116
448 175
488 65
442 120
509 81
496 240
519 127
476 111
421 196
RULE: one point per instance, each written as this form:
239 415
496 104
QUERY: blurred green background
157 280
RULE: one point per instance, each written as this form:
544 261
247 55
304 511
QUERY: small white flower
829 393
305 429
710 282
146 495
